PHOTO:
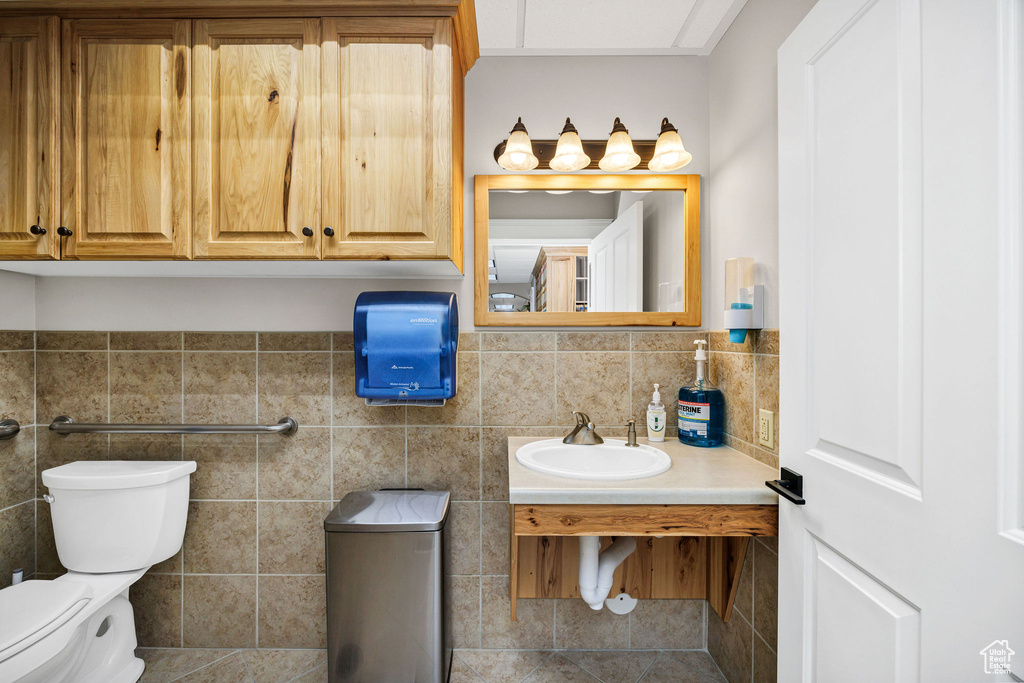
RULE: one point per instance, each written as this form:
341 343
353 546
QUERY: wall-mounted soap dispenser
405 347
744 301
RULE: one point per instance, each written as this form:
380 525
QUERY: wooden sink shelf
686 551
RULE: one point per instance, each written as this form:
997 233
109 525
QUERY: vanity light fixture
600 191
493 277
669 153
618 154
569 154
518 154
558 191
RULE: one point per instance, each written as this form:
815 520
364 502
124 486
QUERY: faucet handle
582 419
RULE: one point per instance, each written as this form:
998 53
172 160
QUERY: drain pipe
596 568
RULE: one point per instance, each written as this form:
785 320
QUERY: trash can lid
385 511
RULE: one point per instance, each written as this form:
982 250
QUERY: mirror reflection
586 250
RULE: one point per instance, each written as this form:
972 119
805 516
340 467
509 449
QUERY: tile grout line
257 611
181 623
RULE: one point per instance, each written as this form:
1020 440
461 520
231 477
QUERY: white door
616 259
900 191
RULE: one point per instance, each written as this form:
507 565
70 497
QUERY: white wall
17 301
744 181
543 90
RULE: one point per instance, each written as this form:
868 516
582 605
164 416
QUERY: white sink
610 461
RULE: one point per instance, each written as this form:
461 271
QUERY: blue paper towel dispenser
406 345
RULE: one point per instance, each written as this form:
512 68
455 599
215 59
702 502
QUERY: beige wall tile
156 600
71 383
495 541
145 387
317 675
462 673
767 392
349 409
518 388
766 593
296 467
291 537
765 662
685 667
469 341
18 386
145 341
744 601
593 341
220 611
17 468
671 370
504 666
559 669
145 447
71 341
464 537
343 341
17 340
165 664
615 666
667 341
293 612
577 627
667 624
495 456
220 538
47 561
534 628
220 387
271 666
465 597
17 545
225 465
295 341
596 383
368 458
733 373
172 565
296 385
720 342
517 341
767 342
445 458
464 409
230 669
730 645
220 341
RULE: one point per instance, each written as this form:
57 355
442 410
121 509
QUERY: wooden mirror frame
690 184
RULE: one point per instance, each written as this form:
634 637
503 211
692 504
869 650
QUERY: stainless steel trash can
387 608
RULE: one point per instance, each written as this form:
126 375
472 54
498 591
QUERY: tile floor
192 665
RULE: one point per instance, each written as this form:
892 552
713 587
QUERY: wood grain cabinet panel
257 138
389 98
29 137
126 138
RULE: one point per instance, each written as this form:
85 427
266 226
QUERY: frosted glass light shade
669 153
518 154
569 154
618 153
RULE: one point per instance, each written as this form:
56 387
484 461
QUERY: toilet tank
118 515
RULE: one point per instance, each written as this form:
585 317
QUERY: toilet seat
34 609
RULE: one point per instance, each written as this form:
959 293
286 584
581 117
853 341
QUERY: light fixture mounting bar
544 150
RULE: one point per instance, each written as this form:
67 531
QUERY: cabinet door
257 138
29 118
388 132
126 138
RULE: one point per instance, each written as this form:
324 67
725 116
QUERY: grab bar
8 428
65 425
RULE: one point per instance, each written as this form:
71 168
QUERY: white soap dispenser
656 417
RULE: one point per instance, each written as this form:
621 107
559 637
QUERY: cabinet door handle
63 232
790 486
307 231
329 231
37 230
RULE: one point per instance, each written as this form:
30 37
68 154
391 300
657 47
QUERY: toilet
112 521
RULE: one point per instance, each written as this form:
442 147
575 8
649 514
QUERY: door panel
617 257
126 139
257 160
29 147
387 138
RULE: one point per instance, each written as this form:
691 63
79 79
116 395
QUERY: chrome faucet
631 434
584 433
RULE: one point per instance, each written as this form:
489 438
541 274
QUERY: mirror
587 250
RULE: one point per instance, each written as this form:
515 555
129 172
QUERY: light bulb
669 153
518 154
618 153
569 154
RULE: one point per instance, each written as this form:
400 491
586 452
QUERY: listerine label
694 418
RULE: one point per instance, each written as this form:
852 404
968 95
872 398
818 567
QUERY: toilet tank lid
91 475
32 606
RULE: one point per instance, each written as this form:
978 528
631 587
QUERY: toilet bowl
112 520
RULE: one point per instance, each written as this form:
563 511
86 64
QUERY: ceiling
603 27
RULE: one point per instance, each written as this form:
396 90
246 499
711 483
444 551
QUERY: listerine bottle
701 408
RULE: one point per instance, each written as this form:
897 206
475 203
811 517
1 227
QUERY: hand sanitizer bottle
656 417
701 408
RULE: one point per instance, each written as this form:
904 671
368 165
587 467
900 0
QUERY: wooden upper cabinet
29 138
126 138
257 138
391 88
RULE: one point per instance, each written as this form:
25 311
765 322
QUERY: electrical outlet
766 428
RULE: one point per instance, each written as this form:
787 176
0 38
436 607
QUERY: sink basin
610 461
